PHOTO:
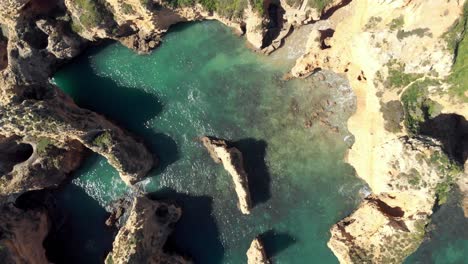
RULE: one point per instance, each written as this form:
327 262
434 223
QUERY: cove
204 81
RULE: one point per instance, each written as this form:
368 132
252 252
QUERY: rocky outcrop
21 235
37 164
37 113
256 253
144 234
390 223
397 56
231 158
383 47
40 35
47 116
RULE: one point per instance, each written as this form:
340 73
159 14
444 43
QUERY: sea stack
232 160
256 253
142 237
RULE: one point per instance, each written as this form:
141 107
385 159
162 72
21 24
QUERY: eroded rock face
390 224
144 234
231 158
51 115
39 36
21 235
256 253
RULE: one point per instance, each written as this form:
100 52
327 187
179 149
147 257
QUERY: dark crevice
3 52
12 153
386 209
275 24
325 34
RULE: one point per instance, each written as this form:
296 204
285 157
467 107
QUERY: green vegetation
103 140
456 41
393 115
127 9
109 260
227 8
397 78
420 32
92 13
414 178
397 23
42 145
442 192
418 108
372 22
319 4
448 171
76 27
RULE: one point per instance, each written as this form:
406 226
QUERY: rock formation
390 223
231 158
398 57
144 234
37 36
21 235
256 253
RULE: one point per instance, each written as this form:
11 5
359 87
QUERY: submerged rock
256 253
232 160
144 234
21 235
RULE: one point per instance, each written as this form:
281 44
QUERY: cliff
142 237
390 223
21 235
399 59
232 160
403 58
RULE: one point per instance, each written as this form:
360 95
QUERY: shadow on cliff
253 153
196 234
452 131
75 237
275 242
128 107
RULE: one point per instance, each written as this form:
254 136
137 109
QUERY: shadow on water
196 233
446 235
254 152
128 107
275 242
75 237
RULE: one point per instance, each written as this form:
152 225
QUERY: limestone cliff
35 112
37 36
390 223
144 234
256 253
399 58
21 235
232 160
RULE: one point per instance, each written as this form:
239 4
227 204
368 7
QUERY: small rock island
232 160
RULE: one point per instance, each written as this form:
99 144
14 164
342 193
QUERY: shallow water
203 81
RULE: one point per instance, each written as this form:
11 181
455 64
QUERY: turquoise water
203 81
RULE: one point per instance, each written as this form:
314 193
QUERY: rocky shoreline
370 42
